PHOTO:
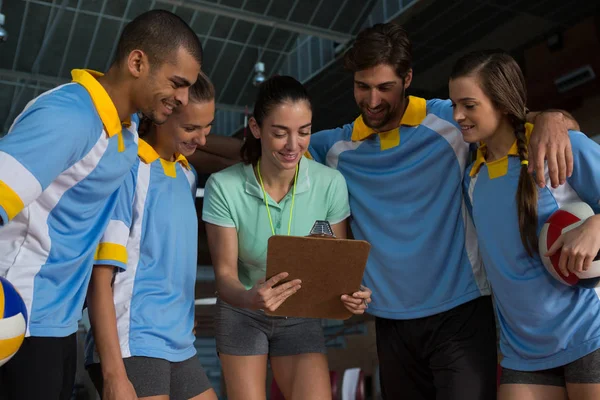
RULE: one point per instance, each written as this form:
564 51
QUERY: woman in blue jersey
550 332
275 191
142 344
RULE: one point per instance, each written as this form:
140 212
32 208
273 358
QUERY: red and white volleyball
561 221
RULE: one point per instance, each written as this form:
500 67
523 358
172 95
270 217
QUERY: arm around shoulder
218 153
585 179
560 115
550 142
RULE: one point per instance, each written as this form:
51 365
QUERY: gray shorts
583 370
242 332
158 377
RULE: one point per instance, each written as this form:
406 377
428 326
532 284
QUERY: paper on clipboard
328 268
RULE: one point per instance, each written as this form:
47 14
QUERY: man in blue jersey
60 166
403 159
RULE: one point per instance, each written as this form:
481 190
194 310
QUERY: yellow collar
498 167
415 113
102 101
149 155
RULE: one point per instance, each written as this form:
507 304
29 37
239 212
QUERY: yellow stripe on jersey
111 251
10 201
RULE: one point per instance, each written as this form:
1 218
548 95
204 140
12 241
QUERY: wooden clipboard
328 268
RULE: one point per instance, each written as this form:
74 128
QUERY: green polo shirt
233 198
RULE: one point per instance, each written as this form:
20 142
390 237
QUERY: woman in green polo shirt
275 191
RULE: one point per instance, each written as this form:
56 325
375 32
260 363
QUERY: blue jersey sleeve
441 108
318 148
112 249
47 138
321 142
586 169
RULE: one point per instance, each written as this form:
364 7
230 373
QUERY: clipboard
328 268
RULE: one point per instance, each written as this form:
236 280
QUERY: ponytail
251 150
526 194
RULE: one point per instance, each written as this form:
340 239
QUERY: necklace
262 186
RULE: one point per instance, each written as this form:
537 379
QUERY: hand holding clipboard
329 268
359 301
268 295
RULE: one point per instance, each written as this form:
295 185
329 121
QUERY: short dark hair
271 93
158 33
381 44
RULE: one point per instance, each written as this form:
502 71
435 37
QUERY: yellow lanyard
267 201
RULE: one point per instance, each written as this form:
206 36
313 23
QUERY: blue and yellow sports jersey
543 323
406 200
153 239
61 164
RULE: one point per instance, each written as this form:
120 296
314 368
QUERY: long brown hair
502 80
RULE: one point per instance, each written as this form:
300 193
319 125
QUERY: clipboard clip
321 229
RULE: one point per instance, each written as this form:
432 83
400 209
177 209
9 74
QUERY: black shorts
451 355
43 368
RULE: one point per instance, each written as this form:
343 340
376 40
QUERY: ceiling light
259 73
